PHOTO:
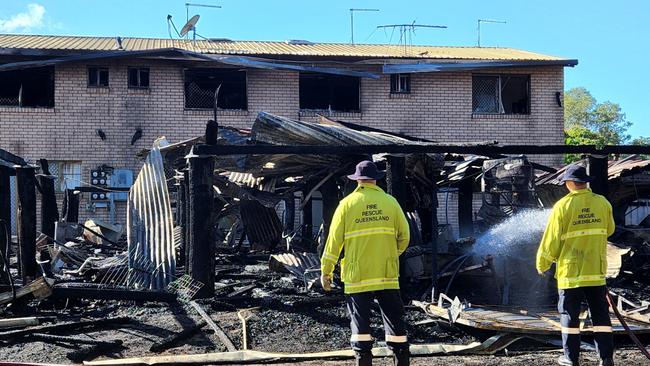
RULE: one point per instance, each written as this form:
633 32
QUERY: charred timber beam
307 216
201 249
396 179
26 183
289 214
66 327
487 150
186 217
49 211
465 198
598 169
181 221
329 193
5 212
110 294
11 158
434 232
70 210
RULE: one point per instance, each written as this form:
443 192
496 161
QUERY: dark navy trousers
569 306
392 312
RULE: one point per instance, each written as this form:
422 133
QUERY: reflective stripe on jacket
372 228
576 239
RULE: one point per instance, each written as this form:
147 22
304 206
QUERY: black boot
401 357
363 358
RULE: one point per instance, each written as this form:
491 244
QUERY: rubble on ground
239 280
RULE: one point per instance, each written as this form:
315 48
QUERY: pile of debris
219 261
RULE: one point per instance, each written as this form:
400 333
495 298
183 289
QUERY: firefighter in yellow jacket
576 240
372 229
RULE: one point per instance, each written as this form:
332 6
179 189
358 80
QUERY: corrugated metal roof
75 43
633 164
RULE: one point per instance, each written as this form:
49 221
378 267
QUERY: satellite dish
189 25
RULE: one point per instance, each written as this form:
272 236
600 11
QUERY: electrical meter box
100 178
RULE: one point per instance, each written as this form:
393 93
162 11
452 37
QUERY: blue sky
611 39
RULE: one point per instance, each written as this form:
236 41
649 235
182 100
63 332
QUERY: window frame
138 70
24 99
246 96
62 177
98 76
500 77
395 80
329 92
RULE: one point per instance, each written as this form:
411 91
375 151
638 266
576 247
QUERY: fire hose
627 328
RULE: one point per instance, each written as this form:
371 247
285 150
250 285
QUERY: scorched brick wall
439 108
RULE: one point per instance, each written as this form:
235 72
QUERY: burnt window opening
138 77
337 93
27 88
200 85
98 76
501 94
400 83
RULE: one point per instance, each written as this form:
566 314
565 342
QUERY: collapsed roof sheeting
275 130
626 181
471 65
631 165
176 54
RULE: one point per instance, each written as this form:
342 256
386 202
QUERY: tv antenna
187 15
352 10
190 26
406 32
478 28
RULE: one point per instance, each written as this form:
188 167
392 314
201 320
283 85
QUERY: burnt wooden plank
26 183
201 253
5 214
70 210
598 168
49 210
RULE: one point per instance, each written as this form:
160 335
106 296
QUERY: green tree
587 122
641 141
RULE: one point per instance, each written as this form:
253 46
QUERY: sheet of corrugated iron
150 228
18 41
262 225
277 130
633 164
297 263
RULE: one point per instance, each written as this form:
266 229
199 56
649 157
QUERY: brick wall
438 108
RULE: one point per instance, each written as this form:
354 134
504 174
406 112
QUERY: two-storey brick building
85 102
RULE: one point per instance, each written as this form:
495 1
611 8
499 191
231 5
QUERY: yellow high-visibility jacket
576 239
372 228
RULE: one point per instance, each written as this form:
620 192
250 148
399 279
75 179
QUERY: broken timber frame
204 150
5 213
26 182
201 253
597 167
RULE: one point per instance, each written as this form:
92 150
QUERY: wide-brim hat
576 173
367 170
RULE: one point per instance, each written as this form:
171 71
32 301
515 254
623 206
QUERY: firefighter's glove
326 282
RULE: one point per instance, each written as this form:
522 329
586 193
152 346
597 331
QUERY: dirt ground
623 357
279 327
